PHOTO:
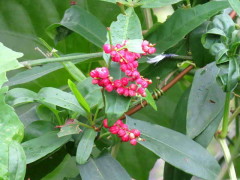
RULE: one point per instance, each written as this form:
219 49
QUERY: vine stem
163 89
38 62
85 125
224 131
227 156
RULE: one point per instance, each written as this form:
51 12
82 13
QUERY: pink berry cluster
123 132
128 64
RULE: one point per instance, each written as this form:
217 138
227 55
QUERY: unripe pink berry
114 129
151 50
139 81
123 67
120 90
124 81
126 93
132 93
106 81
136 132
133 142
107 48
125 138
128 72
118 122
145 48
105 123
145 43
135 64
141 90
131 136
124 126
95 81
144 84
94 74
135 74
113 53
109 87
121 132
144 94
117 83
103 72
133 87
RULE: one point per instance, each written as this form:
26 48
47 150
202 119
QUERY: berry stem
121 6
164 89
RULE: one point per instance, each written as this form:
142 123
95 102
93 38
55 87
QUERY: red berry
126 93
131 136
133 142
131 93
136 132
124 81
133 87
105 123
117 83
114 129
121 132
125 138
107 48
151 50
109 87
120 90
95 81
118 122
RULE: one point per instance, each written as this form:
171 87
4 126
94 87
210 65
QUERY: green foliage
104 167
55 124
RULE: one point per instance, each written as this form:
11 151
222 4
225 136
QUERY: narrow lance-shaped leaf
103 168
43 145
182 22
177 149
60 98
78 95
82 22
206 96
85 146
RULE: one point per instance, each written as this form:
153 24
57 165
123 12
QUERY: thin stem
104 134
121 6
38 62
95 115
148 17
224 131
227 156
176 57
237 117
85 125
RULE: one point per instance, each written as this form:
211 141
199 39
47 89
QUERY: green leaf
132 159
66 169
8 61
177 149
68 129
150 100
201 56
103 168
182 22
116 106
4 155
85 146
157 3
235 4
37 148
134 45
81 100
17 161
19 96
126 27
82 22
205 101
60 98
38 128
11 128
91 92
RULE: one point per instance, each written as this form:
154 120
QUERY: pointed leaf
81 100
116 106
177 149
39 147
103 168
85 146
206 96
182 22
